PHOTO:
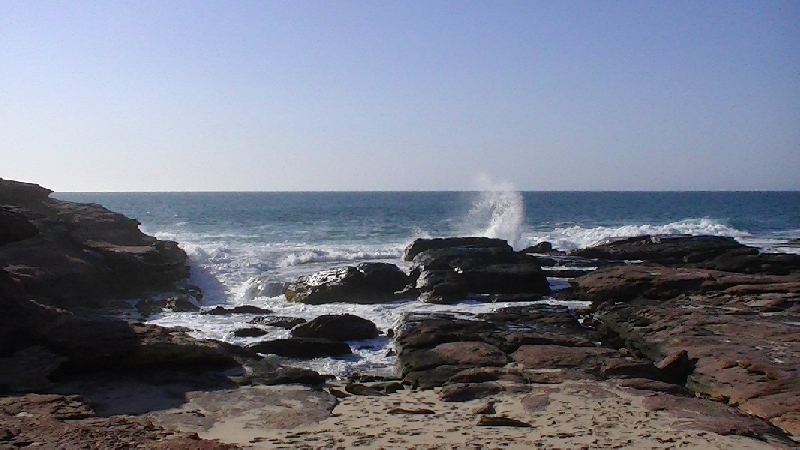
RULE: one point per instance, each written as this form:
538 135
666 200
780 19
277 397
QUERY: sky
407 95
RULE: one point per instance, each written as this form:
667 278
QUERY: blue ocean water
235 240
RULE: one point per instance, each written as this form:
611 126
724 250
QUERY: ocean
236 240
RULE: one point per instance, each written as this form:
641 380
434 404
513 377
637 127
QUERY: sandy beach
573 414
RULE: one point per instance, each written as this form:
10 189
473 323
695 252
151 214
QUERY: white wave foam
319 255
567 238
499 212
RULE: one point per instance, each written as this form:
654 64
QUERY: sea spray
498 212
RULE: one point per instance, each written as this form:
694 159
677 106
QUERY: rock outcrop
735 333
366 283
707 252
450 270
337 327
80 254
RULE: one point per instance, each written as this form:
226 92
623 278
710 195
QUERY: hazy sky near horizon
406 95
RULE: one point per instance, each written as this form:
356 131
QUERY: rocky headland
688 341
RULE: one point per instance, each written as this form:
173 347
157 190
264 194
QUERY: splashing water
499 211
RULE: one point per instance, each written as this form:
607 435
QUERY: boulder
449 274
421 245
301 347
541 247
337 327
365 284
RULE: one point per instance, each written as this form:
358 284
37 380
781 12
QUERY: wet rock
337 327
665 250
278 321
541 247
447 275
421 245
249 332
365 284
241 309
360 389
301 347
263 372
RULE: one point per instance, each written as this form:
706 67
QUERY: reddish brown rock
82 253
729 346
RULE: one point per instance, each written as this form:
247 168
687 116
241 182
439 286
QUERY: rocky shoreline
699 331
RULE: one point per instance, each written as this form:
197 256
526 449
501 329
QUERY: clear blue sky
407 95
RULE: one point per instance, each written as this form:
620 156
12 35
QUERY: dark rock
464 392
83 253
437 376
278 321
249 332
501 421
447 275
27 370
15 227
667 250
429 330
341 327
486 408
421 245
541 247
365 284
629 368
265 372
410 411
301 347
241 309
676 367
625 283
360 389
